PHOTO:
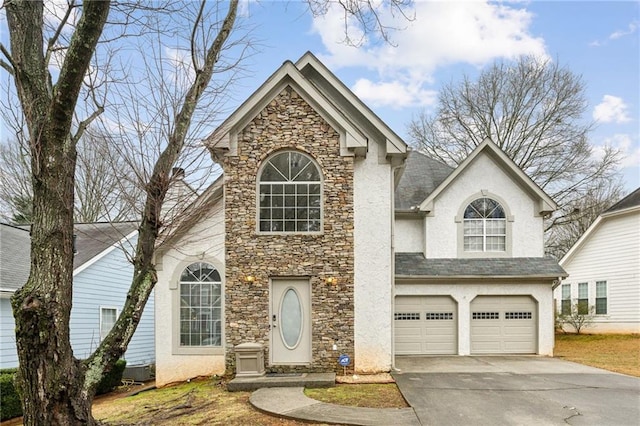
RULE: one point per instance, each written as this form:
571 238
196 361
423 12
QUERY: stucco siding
465 292
409 235
204 242
526 227
611 253
372 263
8 353
104 284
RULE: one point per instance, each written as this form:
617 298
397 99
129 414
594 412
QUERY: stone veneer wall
288 122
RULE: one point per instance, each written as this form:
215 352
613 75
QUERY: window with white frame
583 298
290 194
200 306
484 226
601 297
565 307
108 317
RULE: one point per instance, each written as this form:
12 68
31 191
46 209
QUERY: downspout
393 262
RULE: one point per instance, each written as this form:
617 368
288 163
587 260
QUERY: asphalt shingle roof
15 252
421 177
91 240
631 200
415 265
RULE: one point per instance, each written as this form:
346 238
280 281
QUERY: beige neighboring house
327 235
604 269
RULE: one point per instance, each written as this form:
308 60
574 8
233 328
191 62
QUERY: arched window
200 306
290 190
485 226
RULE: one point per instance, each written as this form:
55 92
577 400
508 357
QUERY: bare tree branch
533 110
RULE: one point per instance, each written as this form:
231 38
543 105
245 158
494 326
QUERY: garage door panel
434 333
503 324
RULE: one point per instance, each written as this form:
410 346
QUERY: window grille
437 316
485 315
518 315
406 316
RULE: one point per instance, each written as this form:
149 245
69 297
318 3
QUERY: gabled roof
325 93
415 265
335 89
198 208
630 201
629 204
421 176
545 203
93 241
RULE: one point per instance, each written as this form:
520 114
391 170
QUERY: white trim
224 137
591 229
261 168
546 204
174 292
103 253
100 309
393 143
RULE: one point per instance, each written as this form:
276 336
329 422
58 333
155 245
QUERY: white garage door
504 325
425 325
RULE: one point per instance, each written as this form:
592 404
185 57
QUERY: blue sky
597 40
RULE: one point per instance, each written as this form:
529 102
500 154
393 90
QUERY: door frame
307 320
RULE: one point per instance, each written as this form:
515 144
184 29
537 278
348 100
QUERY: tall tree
533 110
49 374
56 387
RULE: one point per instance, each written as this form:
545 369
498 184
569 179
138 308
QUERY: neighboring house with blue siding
604 270
101 279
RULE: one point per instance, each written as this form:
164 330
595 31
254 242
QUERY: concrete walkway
293 403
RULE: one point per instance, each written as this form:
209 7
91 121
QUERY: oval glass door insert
291 318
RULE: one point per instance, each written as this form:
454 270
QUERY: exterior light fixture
331 280
249 278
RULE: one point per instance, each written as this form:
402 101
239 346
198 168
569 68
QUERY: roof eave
481 277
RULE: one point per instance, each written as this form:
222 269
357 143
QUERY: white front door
290 321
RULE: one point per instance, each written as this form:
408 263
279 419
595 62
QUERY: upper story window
200 306
485 226
290 190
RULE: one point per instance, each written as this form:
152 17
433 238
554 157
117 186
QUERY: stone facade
289 122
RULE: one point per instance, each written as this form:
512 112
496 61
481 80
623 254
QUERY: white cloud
630 150
443 33
394 94
612 109
632 28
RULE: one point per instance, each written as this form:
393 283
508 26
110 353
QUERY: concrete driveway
516 390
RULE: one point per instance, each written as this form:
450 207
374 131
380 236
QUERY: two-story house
326 235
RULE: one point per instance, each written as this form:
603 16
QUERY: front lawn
206 402
613 352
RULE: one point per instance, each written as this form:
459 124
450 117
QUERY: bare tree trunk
49 376
144 275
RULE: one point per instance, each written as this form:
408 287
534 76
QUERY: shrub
112 379
10 405
580 317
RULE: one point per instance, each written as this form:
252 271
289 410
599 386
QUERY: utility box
137 373
249 360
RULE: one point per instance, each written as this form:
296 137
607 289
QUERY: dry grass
613 352
367 395
200 402
205 402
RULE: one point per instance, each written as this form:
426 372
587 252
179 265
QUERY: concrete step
309 380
